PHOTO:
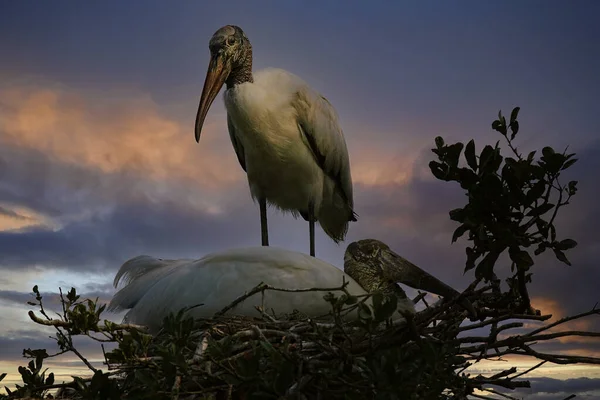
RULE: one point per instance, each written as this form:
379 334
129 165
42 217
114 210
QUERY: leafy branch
512 202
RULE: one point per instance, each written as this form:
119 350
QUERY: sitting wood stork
286 136
156 287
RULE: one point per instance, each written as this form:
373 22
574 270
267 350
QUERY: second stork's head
374 266
230 61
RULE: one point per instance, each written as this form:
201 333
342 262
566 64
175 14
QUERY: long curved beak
402 270
218 71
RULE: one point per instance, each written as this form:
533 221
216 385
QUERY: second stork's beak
218 71
402 270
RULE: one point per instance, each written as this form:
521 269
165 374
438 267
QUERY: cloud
52 299
14 218
129 134
12 214
106 239
549 388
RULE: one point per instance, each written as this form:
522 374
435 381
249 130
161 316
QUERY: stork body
156 287
286 136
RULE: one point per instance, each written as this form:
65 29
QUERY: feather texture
288 138
155 287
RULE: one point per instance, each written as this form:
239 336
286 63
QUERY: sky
98 163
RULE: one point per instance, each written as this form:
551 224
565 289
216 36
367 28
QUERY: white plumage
155 287
282 167
286 136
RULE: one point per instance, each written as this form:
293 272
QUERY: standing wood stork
286 136
155 287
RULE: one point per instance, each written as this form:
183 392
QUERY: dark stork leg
264 231
311 227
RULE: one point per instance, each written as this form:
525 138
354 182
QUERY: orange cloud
129 133
551 306
377 163
124 133
14 218
380 165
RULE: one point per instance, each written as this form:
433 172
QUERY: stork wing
321 132
237 145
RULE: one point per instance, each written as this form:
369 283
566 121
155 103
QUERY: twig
64 324
261 287
563 320
536 366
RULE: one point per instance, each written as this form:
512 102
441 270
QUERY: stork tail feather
138 275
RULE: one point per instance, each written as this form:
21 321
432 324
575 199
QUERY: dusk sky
98 162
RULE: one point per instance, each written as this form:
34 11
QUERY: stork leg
311 227
264 231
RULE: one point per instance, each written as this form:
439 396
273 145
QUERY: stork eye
230 41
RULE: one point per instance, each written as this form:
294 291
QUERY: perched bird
155 287
287 138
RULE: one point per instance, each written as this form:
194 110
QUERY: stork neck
240 73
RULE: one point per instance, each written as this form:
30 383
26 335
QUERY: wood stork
155 287
286 136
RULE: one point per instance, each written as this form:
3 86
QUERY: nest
379 354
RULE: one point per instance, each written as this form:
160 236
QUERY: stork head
230 60
374 266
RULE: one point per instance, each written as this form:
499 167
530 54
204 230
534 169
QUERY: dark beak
402 270
218 71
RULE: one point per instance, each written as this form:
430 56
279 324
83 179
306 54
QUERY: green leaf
540 210
484 158
459 232
514 114
458 214
471 257
514 127
485 268
440 171
554 163
552 232
531 155
520 257
561 256
470 155
572 188
513 181
569 163
500 126
548 151
535 192
495 161
542 227
439 142
467 178
496 125
540 249
566 244
537 171
453 154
